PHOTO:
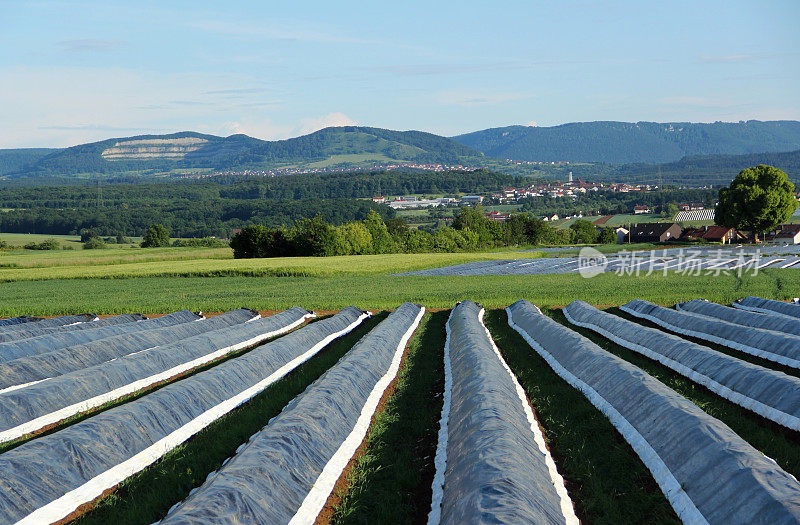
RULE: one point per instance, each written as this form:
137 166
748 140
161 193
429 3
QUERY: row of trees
471 231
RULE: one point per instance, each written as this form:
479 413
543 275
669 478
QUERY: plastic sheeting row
46 479
287 471
27 370
492 463
767 344
18 320
32 330
767 392
46 341
45 403
778 323
701 465
11 332
768 306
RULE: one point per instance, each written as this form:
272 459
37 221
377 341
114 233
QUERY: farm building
721 234
622 235
639 210
655 232
784 233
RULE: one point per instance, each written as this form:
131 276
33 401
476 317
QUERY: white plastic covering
787 325
46 365
47 478
775 346
498 468
18 320
768 306
32 342
44 403
707 472
13 331
287 470
769 393
32 330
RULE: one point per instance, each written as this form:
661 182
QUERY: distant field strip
643 263
279 267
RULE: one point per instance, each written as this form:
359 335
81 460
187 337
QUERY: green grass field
122 280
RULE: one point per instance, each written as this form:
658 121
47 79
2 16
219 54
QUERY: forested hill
640 142
340 146
12 160
705 170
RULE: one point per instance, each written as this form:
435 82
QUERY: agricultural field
408 434
396 363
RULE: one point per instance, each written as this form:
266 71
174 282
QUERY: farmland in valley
262 377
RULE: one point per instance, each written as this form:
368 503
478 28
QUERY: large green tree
156 236
758 199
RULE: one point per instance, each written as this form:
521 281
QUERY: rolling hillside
640 142
349 146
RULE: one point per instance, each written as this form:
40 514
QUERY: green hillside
640 142
345 146
12 160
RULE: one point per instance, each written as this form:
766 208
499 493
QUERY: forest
215 207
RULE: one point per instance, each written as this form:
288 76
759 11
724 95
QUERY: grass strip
152 295
606 480
773 440
147 496
391 481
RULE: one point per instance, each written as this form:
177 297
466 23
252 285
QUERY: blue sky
72 72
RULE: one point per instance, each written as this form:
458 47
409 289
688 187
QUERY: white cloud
88 44
310 125
470 99
532 124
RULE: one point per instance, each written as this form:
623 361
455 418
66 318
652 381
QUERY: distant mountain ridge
639 142
619 149
348 145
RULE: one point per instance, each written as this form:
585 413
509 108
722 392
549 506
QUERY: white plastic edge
761 327
758 352
22 385
59 508
670 486
567 508
440 459
763 311
54 417
316 498
769 412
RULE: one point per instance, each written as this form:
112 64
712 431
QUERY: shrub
204 242
47 244
583 232
156 236
94 243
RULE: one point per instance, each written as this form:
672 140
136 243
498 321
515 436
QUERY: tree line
471 230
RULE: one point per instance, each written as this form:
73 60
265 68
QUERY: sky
74 72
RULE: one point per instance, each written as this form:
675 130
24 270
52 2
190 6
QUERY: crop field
418 398
419 415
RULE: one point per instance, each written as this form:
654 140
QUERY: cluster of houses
640 209
410 201
670 231
570 189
